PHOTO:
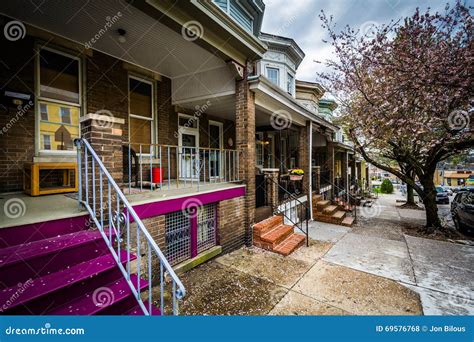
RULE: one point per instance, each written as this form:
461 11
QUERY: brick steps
275 236
348 221
330 209
290 244
326 212
278 234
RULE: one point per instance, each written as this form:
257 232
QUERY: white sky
299 19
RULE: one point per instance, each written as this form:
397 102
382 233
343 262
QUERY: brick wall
245 144
231 217
17 137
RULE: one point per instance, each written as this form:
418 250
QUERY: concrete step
348 221
278 234
265 226
292 242
330 209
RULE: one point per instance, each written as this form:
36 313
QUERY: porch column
304 159
345 174
310 168
104 134
271 186
331 161
245 144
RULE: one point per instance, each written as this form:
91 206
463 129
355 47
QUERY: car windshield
439 189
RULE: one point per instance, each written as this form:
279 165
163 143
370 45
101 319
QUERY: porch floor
18 209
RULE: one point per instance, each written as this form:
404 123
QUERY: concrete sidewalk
441 272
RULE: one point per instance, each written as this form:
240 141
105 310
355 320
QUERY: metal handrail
293 197
193 166
115 221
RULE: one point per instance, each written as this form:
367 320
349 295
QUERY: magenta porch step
112 298
137 310
41 294
39 258
13 236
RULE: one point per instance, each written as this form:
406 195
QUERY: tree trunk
429 200
410 195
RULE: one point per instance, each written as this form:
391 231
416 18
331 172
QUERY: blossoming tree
406 93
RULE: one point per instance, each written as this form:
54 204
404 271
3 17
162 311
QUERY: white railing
123 230
164 167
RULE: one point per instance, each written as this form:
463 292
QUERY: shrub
386 187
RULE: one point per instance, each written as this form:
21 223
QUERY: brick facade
245 143
231 220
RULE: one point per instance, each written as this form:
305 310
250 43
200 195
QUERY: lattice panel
207 226
178 237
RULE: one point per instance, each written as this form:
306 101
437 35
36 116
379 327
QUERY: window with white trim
141 113
273 74
234 9
59 100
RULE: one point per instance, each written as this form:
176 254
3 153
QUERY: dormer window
273 74
236 12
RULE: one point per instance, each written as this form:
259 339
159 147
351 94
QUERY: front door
215 152
188 143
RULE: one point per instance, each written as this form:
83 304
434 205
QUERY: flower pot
296 177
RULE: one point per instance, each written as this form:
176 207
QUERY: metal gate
206 227
189 233
178 237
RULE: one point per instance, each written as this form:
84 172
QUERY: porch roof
149 42
271 93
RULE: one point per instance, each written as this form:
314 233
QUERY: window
59 100
236 12
141 114
289 84
44 111
46 142
65 115
273 74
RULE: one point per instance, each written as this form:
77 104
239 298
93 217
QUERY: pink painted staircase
62 268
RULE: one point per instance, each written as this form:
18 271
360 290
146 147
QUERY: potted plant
296 174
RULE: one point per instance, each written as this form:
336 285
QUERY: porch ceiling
149 43
222 107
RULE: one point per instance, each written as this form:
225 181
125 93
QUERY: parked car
448 190
441 196
456 189
462 210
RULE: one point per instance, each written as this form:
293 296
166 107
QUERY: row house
140 139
